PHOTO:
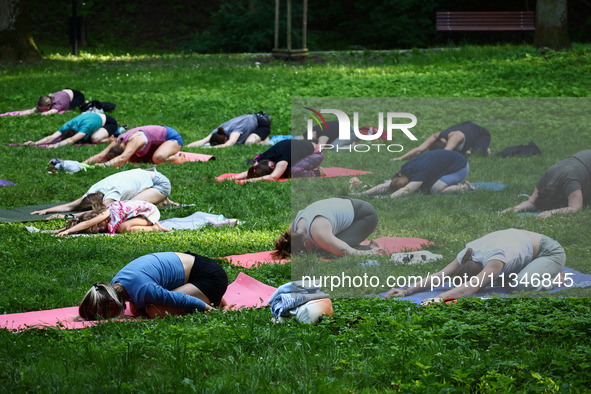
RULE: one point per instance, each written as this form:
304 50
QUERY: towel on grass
6 183
578 280
245 292
198 220
390 244
192 222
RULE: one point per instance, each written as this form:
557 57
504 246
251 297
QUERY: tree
551 24
16 41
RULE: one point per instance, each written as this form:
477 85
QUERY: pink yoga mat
248 292
192 157
249 260
332 172
244 292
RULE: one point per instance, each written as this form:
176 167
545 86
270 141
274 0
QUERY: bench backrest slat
485 21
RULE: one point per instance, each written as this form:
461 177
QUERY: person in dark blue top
156 284
438 171
465 137
286 159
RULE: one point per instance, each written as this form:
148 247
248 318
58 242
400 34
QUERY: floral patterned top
121 211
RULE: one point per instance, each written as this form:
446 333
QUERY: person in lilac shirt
157 284
56 103
156 144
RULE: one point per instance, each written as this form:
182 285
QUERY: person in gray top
334 225
562 189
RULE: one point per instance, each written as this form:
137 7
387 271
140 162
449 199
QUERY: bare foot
168 201
159 228
322 172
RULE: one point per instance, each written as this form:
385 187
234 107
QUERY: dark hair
114 152
550 198
398 182
438 144
259 169
288 244
92 201
218 138
468 267
68 133
103 301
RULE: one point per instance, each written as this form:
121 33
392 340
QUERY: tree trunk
551 24
16 42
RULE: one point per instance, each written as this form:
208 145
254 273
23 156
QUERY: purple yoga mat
6 183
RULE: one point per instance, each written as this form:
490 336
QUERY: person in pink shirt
120 216
156 144
56 103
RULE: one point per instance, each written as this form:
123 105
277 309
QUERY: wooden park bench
485 21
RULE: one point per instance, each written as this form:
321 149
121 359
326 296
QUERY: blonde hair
103 301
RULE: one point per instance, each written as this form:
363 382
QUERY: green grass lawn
517 344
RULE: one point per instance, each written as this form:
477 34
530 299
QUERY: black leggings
110 125
77 100
364 223
209 277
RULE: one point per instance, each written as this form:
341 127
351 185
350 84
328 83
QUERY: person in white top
511 258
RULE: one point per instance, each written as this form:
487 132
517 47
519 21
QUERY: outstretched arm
406 190
132 146
427 282
575 204
100 156
231 141
50 112
419 149
201 142
488 273
28 112
70 206
321 233
84 225
45 140
280 168
454 139
528 205
68 141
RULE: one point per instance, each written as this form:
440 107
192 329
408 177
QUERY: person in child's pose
438 171
564 188
87 127
157 284
138 184
246 129
57 102
119 216
513 258
334 225
156 144
465 137
285 159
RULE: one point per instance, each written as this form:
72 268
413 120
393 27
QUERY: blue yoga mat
491 186
579 280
